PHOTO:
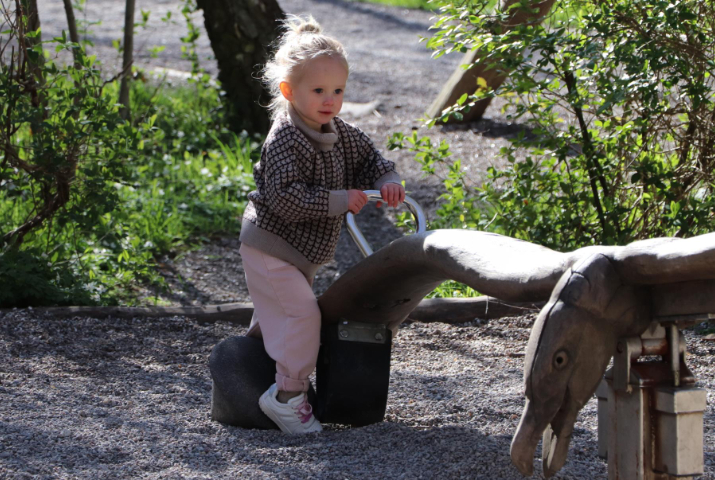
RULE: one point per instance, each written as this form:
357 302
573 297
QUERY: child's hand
393 194
356 200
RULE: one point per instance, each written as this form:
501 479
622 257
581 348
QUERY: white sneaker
296 416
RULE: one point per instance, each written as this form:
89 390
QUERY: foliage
175 194
452 289
188 50
457 203
133 191
24 278
617 104
619 109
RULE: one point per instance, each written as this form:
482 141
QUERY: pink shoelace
304 410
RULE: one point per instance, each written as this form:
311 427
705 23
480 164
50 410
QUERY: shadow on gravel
48 445
179 289
159 361
393 449
489 128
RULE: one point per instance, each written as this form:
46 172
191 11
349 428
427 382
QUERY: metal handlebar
374 195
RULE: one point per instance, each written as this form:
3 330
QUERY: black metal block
353 373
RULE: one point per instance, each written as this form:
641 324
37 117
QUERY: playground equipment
623 303
604 300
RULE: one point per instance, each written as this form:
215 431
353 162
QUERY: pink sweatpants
286 314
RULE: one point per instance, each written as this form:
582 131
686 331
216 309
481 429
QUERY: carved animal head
570 346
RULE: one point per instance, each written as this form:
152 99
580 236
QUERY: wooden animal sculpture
607 296
569 349
382 290
603 293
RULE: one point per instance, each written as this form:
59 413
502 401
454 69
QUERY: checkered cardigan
297 209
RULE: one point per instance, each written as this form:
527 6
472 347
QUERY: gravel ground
114 398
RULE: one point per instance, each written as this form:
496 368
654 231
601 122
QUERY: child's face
317 93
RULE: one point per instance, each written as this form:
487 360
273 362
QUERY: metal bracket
374 195
628 349
659 339
351 331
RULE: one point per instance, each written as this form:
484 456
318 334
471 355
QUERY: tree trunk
127 60
72 26
465 81
29 8
241 32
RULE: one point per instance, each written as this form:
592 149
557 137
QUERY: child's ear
287 91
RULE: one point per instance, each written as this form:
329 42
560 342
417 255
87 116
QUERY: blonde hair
301 41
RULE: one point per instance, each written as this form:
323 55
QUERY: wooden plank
683 298
239 313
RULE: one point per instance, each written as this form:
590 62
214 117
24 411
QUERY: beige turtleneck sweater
296 211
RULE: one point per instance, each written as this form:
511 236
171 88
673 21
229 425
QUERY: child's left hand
393 194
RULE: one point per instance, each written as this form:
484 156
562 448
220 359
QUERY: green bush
618 108
130 191
174 194
617 104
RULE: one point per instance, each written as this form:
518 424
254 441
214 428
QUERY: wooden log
465 81
445 310
238 313
389 286
461 310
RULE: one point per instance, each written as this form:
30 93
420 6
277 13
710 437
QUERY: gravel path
115 398
90 398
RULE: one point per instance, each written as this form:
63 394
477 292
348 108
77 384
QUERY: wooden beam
684 298
239 313
445 310
461 310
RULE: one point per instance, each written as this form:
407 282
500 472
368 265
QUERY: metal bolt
344 334
378 337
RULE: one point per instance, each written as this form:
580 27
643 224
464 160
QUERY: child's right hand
356 200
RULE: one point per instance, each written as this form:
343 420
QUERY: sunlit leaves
618 100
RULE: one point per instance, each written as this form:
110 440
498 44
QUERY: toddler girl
313 169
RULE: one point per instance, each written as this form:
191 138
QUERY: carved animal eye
561 359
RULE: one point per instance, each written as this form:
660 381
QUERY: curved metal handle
374 195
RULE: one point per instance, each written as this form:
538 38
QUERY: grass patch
452 289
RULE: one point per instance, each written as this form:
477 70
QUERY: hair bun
309 27
299 25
